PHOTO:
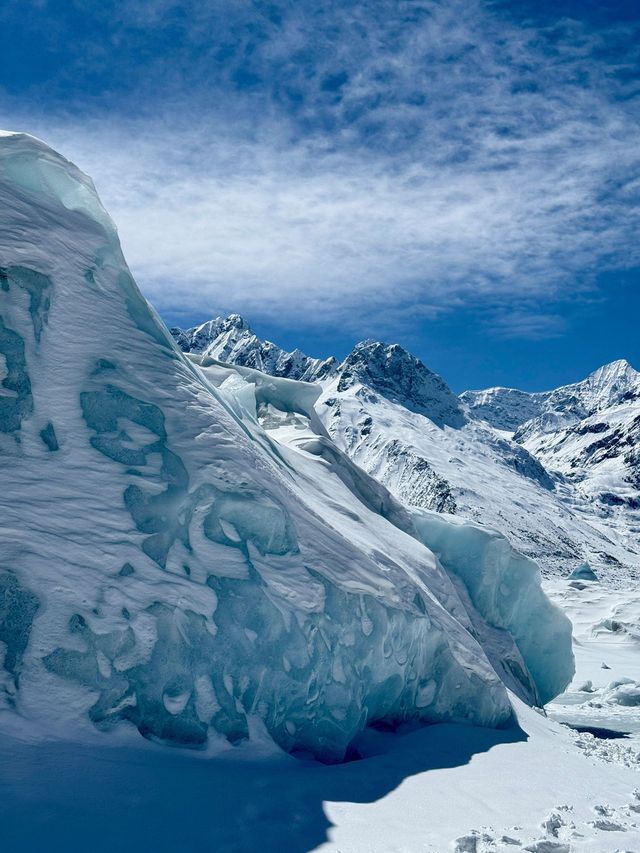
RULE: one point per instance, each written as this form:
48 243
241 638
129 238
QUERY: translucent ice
504 588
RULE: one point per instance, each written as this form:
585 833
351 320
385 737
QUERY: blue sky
462 177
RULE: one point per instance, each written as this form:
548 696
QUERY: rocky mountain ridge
547 411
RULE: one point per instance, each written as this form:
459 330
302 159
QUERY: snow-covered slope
404 426
549 411
437 789
170 563
504 408
587 435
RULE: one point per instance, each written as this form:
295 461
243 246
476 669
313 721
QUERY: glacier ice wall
504 588
165 562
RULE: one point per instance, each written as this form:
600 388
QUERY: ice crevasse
167 564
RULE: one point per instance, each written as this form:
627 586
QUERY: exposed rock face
391 371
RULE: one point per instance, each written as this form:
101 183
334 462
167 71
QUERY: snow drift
167 562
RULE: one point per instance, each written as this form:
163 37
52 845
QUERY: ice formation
504 587
169 562
583 572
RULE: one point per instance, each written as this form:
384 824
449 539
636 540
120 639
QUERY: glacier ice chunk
193 574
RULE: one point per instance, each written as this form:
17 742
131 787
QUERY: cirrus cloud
319 164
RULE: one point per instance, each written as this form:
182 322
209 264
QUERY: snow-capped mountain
587 435
230 339
495 456
400 377
169 564
504 408
549 411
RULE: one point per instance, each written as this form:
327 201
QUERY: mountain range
557 472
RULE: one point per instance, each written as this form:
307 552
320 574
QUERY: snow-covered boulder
166 563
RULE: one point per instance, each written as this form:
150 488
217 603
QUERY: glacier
186 552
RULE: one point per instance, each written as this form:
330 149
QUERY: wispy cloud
338 162
521 323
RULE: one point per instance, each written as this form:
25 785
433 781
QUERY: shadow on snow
60 797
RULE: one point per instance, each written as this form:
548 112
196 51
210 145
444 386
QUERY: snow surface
170 564
605 691
436 789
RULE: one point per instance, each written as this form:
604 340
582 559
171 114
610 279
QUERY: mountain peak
231 339
620 364
607 386
614 371
235 320
512 409
401 377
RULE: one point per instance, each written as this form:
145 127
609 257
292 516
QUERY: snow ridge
231 339
547 411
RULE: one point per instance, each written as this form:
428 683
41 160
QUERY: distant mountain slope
549 411
504 408
402 424
587 434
